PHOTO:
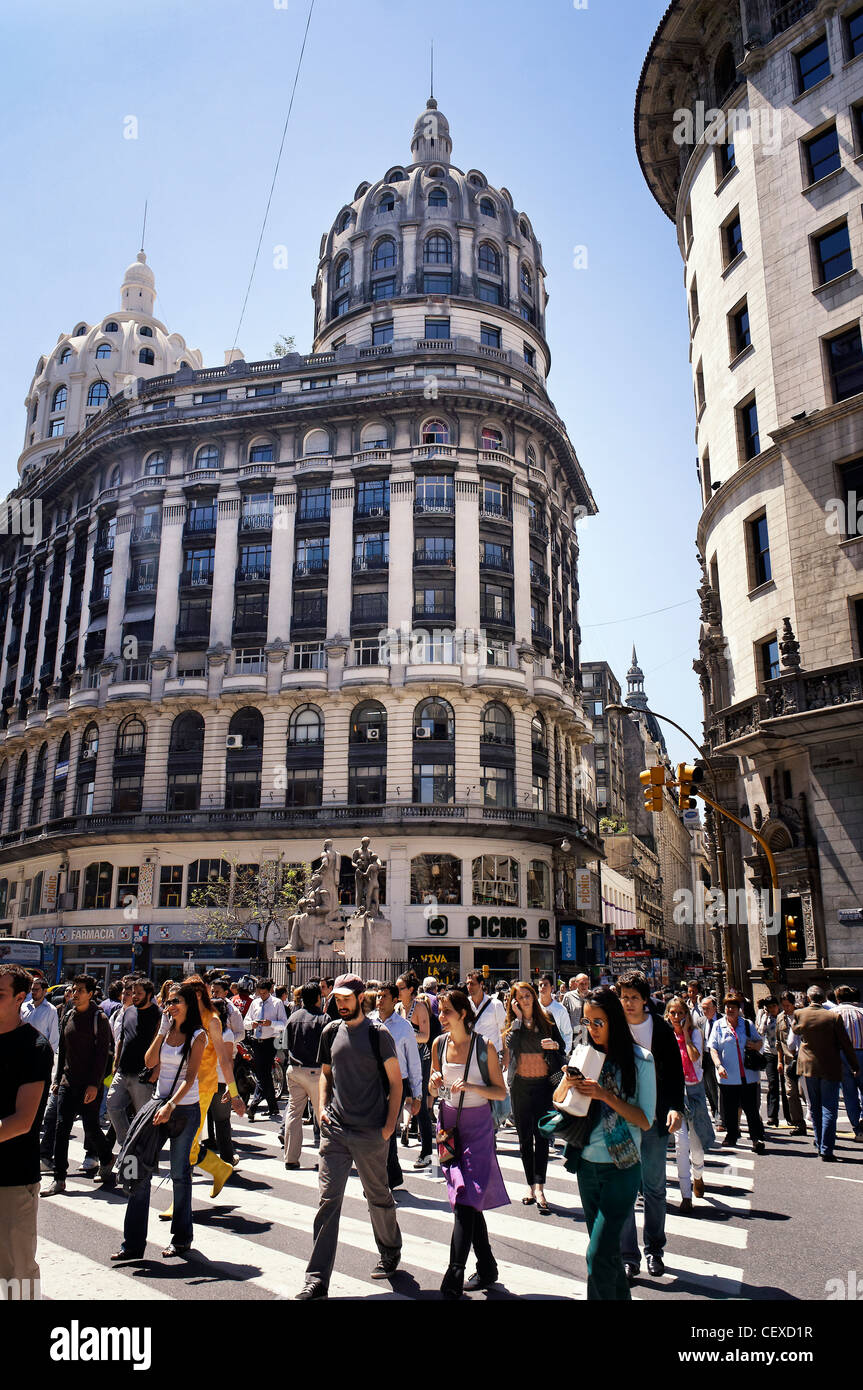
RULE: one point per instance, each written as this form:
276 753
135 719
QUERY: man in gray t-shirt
360 1098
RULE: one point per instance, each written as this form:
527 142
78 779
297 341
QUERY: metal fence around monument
329 967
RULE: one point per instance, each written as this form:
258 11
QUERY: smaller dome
439 119
138 290
139 273
431 142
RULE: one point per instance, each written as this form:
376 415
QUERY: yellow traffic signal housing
653 781
291 964
687 774
486 971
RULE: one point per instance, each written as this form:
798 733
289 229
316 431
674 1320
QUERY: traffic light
291 965
687 775
792 940
652 780
486 971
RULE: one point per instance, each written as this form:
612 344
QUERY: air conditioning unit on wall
372 735
234 741
422 732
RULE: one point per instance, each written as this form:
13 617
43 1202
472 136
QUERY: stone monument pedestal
368 938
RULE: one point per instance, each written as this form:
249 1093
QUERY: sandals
542 1206
120 1255
528 1201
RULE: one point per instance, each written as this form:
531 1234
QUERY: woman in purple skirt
466 1072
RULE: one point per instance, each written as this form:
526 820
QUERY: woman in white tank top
176 1050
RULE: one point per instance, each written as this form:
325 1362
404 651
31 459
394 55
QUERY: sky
539 97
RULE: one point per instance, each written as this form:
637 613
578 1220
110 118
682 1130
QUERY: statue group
318 920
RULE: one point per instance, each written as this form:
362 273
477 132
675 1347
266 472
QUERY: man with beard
361 1095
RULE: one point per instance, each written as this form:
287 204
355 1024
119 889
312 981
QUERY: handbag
753 1060
139 1154
574 1130
447 1139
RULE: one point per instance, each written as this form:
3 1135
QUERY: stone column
273 757
282 565
157 765
105 766
401 580
464 283
467 612
521 564
522 716
170 566
64 602
400 748
341 558
338 717
468 787
213 768
409 257
224 570
92 531
513 289
119 577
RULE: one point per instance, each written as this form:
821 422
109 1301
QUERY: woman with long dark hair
466 1075
177 1054
608 1168
533 1052
419 1017
695 1135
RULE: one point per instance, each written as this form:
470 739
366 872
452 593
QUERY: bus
16 950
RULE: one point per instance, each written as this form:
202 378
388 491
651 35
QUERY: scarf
615 1131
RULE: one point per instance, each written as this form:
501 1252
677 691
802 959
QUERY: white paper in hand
590 1063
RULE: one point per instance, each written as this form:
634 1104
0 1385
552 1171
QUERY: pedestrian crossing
253 1241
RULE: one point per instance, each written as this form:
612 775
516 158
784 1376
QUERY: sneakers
386 1265
58 1185
424 1161
90 1164
312 1289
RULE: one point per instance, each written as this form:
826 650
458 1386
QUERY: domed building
322 596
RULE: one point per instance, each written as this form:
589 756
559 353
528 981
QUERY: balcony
145 535
372 613
786 15
193 632
362 564
815 700
196 579
538 528
434 559
365 509
496 566
104 546
495 511
256 574
496 617
439 507
256 521
308 513
436 614
149 483
541 632
141 586
540 580
309 569
311 617
197 525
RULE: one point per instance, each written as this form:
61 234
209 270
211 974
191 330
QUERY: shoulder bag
447 1139
753 1060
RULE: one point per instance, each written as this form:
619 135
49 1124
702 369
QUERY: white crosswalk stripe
257 1235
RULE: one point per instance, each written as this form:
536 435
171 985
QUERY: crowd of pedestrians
616 1074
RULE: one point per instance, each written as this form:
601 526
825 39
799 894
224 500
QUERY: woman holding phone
533 1052
608 1168
464 1065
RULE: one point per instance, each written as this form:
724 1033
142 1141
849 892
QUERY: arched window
41 760
526 279
61 395
187 733
98 878
531 456
538 739
316 442
131 738
147 357
369 723
384 254
438 198
487 207
112 327
306 725
155 466
524 229
396 176
248 723
104 350
491 439
437 249
61 767
387 202
145 331
489 258
374 436
65 356
538 884
80 330
343 272
208 883
208 457
724 74
344 221
116 476
261 453
497 725
4 897
435 432
434 719
495 880
89 742
436 877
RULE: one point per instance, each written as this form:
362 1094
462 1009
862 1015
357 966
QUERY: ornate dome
138 291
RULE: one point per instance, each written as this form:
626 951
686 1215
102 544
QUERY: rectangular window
437 282
317 383
700 397
437 329
366 651
833 254
367 786
384 289
539 792
309 656
498 786
313 554
688 228
199 566
314 504
193 618
769 651
434 603
694 312
171 885
846 364
56 428
242 790
495 604
341 305
84 793
184 791
382 333
433 783
489 293
305 786
127 794
857 621
489 336
854 34
530 355
211 397
750 441
732 240
813 64
822 154
739 330
759 550
127 884
725 160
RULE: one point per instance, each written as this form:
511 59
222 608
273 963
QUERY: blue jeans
824 1104
654 1153
138 1210
852 1089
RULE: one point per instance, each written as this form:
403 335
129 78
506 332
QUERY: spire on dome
431 143
635 695
138 291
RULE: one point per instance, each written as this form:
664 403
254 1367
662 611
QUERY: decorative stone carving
789 648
